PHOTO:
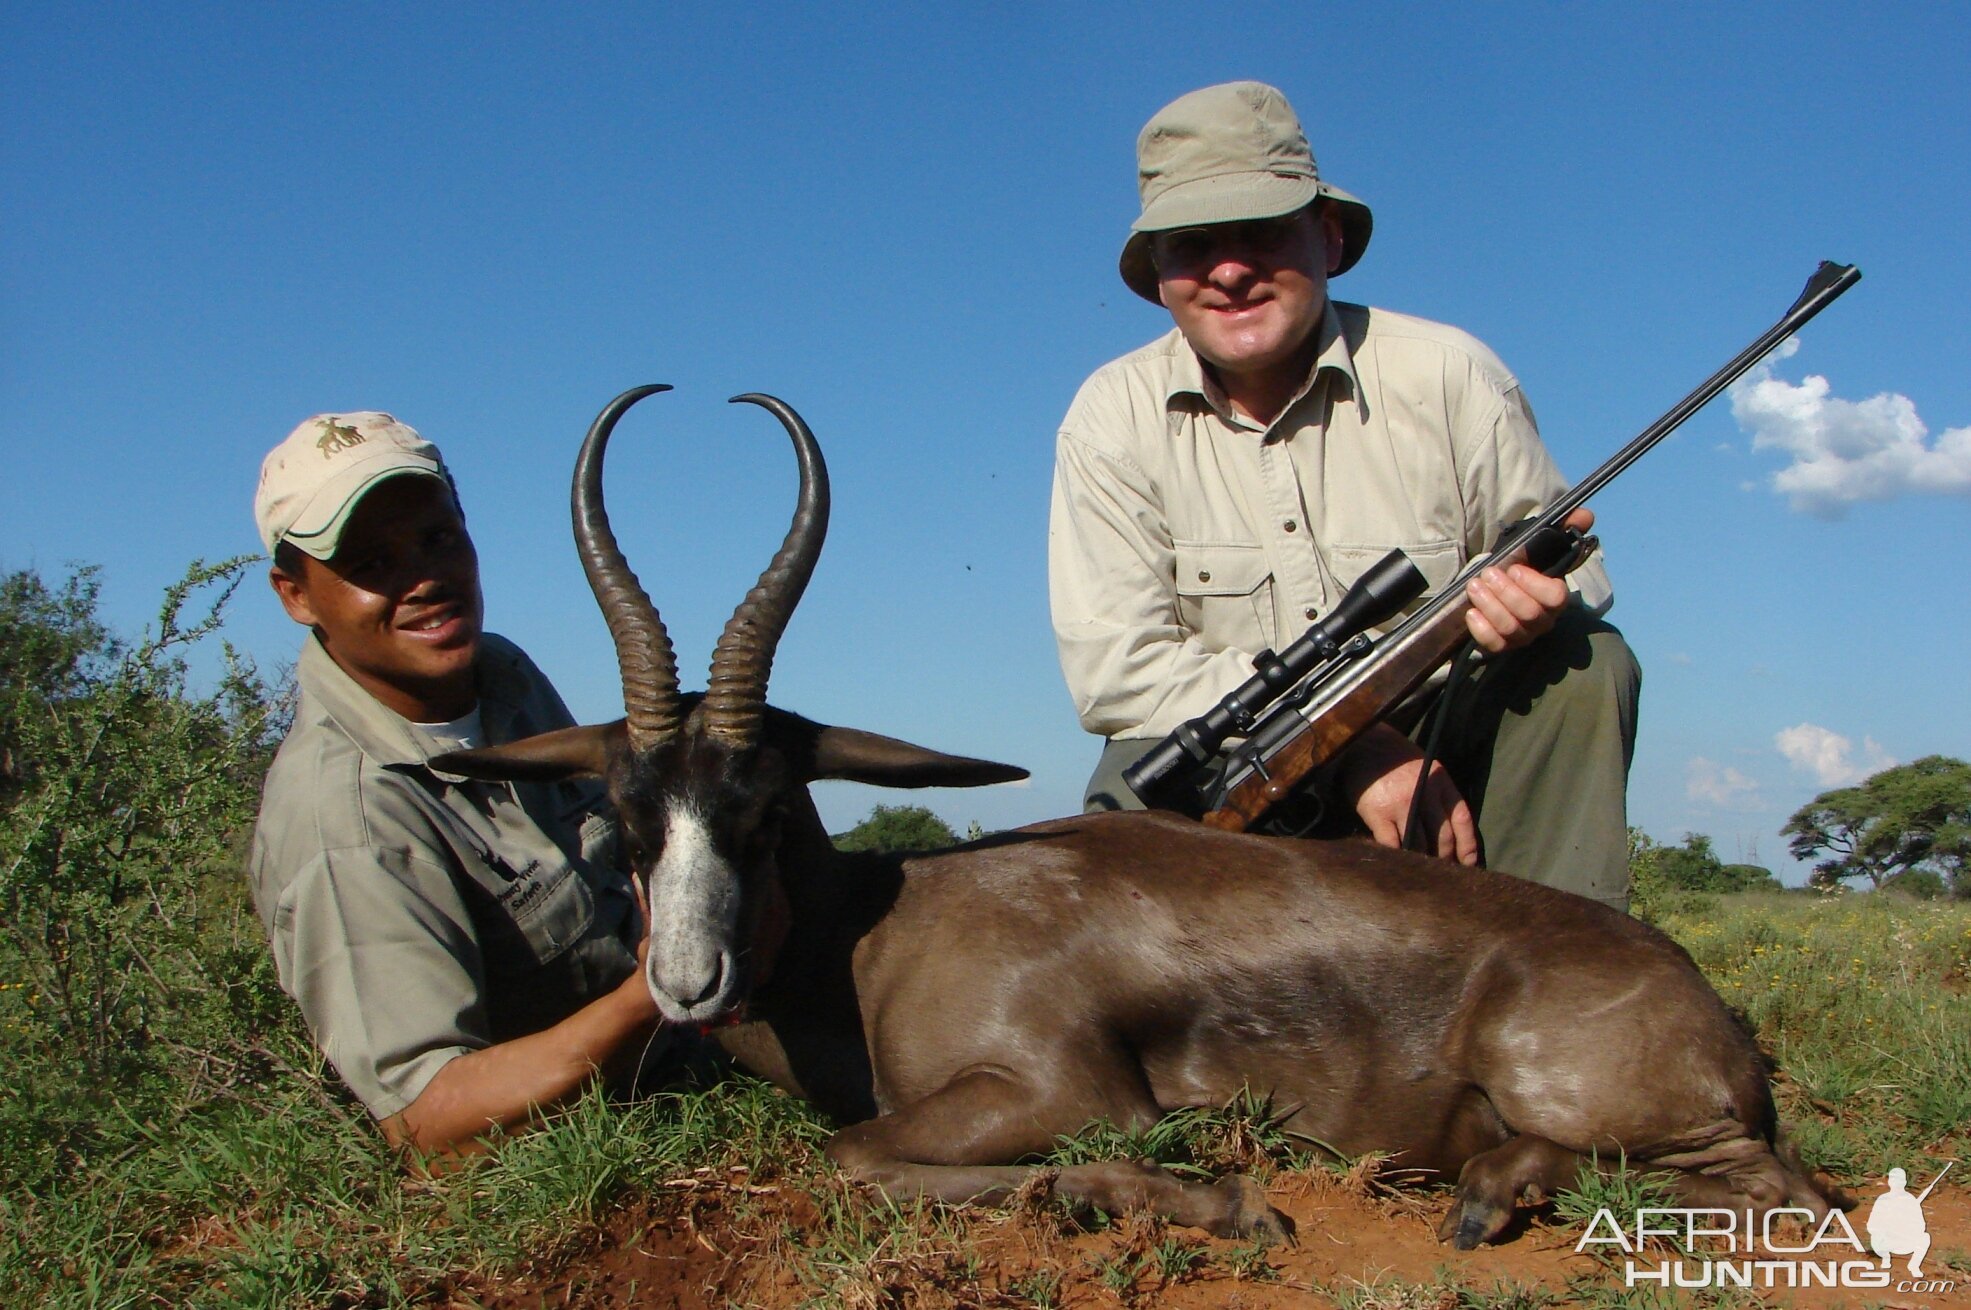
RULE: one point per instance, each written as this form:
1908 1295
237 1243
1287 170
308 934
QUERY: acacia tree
136 987
124 792
898 828
53 652
1912 818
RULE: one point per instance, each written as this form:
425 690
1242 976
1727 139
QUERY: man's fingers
1520 594
1464 833
1502 604
643 916
1457 834
1547 594
1384 807
1510 608
1489 639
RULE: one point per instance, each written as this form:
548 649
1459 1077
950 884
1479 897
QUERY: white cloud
1845 450
1720 785
1829 756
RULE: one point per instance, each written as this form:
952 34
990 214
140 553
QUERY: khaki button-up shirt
416 915
1185 538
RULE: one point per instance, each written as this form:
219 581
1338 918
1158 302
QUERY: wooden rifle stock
1355 699
1313 722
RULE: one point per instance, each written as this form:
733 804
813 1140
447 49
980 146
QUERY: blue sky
489 219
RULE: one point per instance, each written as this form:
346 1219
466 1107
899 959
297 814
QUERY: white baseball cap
311 482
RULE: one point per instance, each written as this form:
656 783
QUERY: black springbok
959 1011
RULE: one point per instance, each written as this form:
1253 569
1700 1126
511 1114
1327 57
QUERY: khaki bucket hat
311 483
1226 154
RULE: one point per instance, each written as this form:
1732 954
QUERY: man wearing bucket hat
465 953
1219 489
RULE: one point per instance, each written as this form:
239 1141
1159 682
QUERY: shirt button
1204 575
1290 525
1312 613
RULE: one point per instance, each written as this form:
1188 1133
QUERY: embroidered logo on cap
337 436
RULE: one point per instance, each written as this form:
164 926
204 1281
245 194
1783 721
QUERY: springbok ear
886 762
550 757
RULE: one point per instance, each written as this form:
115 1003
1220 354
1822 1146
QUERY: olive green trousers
1539 742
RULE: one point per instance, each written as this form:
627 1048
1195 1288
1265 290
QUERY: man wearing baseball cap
465 953
1219 489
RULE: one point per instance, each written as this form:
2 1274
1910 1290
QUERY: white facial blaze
694 910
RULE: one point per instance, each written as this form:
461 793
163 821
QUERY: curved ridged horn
735 699
643 648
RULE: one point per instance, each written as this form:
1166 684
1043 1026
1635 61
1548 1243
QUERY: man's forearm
508 1085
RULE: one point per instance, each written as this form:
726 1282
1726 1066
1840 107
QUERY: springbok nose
691 986
711 987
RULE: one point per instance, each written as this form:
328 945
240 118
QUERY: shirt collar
1188 376
387 736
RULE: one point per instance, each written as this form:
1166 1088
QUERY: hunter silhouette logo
1786 1247
337 436
1895 1221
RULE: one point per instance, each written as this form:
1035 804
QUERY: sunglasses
1195 247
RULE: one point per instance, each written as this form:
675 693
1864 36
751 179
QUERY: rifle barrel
1924 1195
1822 289
1428 637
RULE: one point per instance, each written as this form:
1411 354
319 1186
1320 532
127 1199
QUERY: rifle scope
1158 778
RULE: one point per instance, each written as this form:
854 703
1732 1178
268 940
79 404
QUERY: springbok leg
928 1149
1526 1169
1731 1168
1725 1168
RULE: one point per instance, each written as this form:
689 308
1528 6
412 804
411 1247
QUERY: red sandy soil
715 1241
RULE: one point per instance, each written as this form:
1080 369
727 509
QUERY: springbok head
702 782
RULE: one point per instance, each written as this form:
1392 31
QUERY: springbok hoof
1250 1214
1472 1223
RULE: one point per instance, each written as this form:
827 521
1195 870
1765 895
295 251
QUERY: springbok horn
735 699
643 648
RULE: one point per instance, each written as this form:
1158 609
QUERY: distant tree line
1907 829
1693 866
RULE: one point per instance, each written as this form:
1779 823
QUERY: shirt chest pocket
601 840
1438 561
532 910
1225 594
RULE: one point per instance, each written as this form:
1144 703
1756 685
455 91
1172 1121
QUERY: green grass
1245 1134
260 1186
1610 1186
1447 1292
1040 1289
283 1203
1865 1004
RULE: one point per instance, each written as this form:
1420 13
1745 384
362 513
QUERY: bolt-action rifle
1304 704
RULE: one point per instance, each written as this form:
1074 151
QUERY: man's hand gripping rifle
1302 706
